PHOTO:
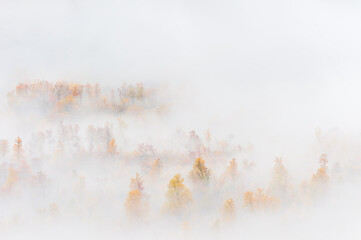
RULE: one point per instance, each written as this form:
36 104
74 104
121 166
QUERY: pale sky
280 65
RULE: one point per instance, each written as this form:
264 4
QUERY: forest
67 168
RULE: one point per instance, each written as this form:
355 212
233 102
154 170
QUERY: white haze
261 73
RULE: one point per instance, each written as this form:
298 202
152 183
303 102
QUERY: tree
66 104
230 176
258 201
91 134
102 137
321 175
97 90
112 147
179 197
232 170
136 183
18 151
194 145
3 147
279 185
249 200
131 93
139 90
156 167
12 179
228 210
146 149
134 204
107 133
76 90
200 173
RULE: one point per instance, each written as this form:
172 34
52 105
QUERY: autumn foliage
156 168
136 183
179 197
258 201
13 177
321 175
18 150
134 204
112 147
78 167
228 210
64 96
200 173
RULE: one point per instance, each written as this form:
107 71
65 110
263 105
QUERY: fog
255 80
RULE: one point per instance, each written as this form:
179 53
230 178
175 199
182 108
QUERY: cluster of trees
178 197
68 97
180 201
202 176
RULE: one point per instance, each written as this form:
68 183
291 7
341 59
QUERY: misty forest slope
103 162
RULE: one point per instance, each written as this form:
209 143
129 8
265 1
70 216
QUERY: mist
111 100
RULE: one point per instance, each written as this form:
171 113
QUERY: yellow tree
264 201
321 175
18 151
66 104
230 176
112 147
249 200
156 167
76 90
179 197
134 204
12 179
137 183
228 210
200 173
258 200
232 170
